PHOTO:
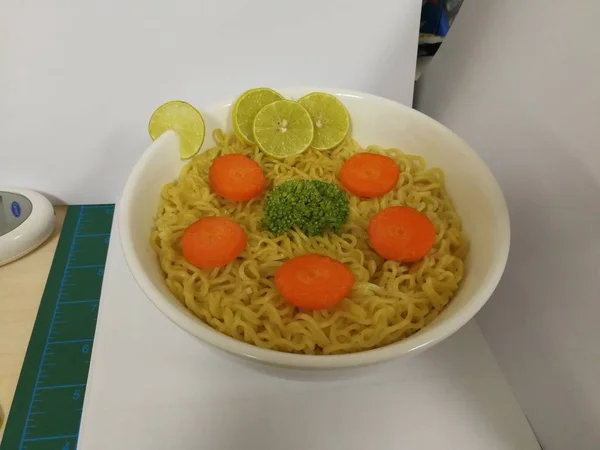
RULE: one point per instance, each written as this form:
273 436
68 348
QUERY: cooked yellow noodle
389 301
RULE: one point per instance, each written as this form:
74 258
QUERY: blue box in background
436 19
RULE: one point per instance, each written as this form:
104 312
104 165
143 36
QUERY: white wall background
520 81
79 79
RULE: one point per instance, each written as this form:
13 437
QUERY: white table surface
151 386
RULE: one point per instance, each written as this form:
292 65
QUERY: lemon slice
283 128
185 120
330 117
247 106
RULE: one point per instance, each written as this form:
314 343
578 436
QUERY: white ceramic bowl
375 120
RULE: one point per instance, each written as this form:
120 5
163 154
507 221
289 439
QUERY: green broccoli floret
310 205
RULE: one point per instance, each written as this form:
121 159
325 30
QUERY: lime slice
247 106
283 128
185 120
330 117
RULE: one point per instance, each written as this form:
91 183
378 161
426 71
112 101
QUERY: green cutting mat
46 410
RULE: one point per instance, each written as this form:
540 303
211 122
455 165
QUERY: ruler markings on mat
46 410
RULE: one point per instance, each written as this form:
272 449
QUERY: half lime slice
185 120
330 117
283 128
247 106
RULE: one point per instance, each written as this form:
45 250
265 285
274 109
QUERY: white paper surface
519 81
81 78
151 386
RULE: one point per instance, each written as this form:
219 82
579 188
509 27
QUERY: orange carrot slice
401 234
313 281
236 178
212 242
369 175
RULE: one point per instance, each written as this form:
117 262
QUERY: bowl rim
415 343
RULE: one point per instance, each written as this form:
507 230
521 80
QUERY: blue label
16 209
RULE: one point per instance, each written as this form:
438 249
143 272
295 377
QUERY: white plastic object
26 221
